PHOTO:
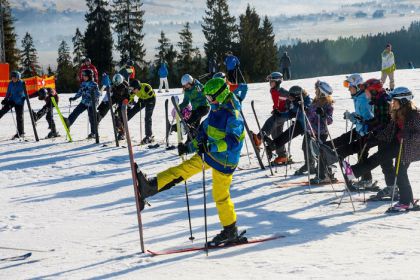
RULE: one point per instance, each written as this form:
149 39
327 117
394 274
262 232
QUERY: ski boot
257 139
66 121
366 185
385 194
323 180
18 136
167 90
303 169
146 187
148 140
159 91
120 136
53 134
281 160
400 207
91 135
229 235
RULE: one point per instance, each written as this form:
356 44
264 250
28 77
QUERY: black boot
66 120
303 169
228 235
146 187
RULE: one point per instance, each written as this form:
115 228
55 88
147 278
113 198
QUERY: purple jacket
313 118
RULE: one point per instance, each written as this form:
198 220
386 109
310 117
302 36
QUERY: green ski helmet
216 89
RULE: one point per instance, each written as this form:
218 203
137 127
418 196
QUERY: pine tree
128 19
65 75
249 43
29 57
50 72
79 51
187 57
219 28
98 38
268 50
11 51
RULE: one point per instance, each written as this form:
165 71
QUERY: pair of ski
16 258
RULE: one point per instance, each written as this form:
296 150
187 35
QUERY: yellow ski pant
221 185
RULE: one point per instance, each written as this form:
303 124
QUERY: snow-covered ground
77 200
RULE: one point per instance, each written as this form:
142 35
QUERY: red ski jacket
91 67
279 97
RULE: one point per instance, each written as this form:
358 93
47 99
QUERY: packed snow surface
75 201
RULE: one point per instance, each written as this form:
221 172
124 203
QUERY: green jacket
195 96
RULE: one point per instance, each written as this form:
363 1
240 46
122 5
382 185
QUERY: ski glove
320 111
182 149
351 117
4 102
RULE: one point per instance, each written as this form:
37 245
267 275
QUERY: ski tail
16 258
111 109
62 119
256 150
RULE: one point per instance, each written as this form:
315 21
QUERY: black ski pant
103 109
80 109
384 155
274 126
48 110
351 143
287 136
149 105
323 168
19 115
197 115
231 75
286 73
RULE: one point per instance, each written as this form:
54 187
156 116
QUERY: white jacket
388 60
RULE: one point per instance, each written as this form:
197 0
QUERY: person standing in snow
87 87
219 142
273 126
163 76
285 64
147 100
87 65
46 94
128 71
388 66
232 64
15 98
402 136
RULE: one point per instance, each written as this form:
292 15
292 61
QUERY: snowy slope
77 198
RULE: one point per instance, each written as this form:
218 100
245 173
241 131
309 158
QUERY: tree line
249 36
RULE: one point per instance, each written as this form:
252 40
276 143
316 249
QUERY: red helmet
373 85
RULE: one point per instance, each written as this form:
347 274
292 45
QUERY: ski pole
290 139
397 168
247 151
306 139
205 203
14 121
141 129
342 171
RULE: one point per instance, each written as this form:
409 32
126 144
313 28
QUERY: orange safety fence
33 84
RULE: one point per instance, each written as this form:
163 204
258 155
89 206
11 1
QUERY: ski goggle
346 84
213 97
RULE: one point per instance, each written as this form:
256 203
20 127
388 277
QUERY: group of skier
388 120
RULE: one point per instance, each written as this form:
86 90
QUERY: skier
87 65
15 98
163 76
403 139
87 87
219 142
128 71
46 94
355 139
232 64
285 64
120 91
388 66
273 126
193 93
146 99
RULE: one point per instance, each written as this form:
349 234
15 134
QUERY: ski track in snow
77 198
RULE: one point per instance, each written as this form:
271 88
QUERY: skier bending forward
219 142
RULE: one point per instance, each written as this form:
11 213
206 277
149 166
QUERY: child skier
15 98
273 126
403 140
219 142
46 94
146 99
87 87
193 93
240 90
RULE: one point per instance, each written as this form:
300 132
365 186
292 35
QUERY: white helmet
118 79
354 80
187 79
403 94
324 87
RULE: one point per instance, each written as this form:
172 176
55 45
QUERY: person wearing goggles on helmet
219 142
240 90
402 135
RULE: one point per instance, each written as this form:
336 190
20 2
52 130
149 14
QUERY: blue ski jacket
363 109
16 92
163 71
231 62
85 91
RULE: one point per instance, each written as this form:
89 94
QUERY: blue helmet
402 94
219 75
275 76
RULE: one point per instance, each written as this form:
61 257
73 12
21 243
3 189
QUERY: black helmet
88 73
135 84
16 74
42 93
296 91
130 63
